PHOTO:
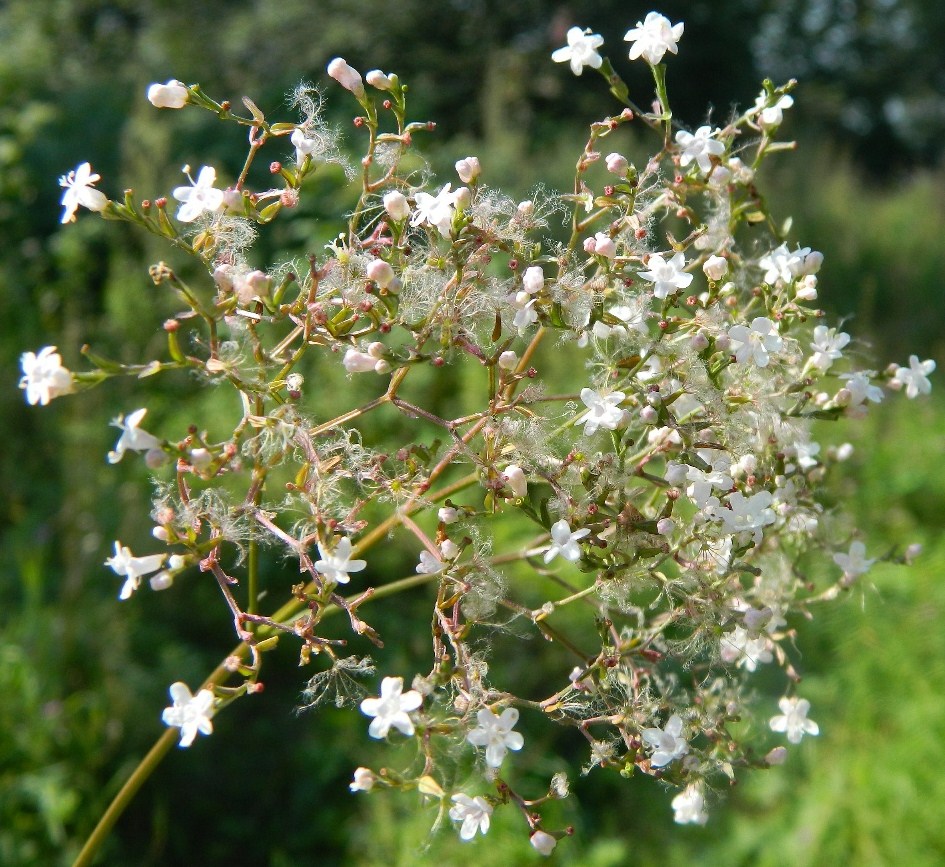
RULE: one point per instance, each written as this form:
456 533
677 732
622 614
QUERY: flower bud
468 169
665 526
777 756
604 246
526 208
448 515
807 288
617 164
380 272
358 362
155 458
699 341
250 286
676 472
200 459
382 366
515 478
715 267
508 360
378 79
449 549
233 200
160 533
648 415
347 76
161 581
462 198
533 280
223 277
173 94
543 842
395 203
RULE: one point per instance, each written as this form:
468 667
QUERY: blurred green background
83 678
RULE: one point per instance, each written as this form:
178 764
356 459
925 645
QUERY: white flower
391 709
200 196
543 842
364 780
516 480
429 564
793 719
772 115
855 563
746 652
689 806
474 813
755 343
525 312
859 389
653 37
189 713
44 377
667 277
347 76
581 50
396 205
603 411
699 146
335 565
435 210
915 378
703 481
667 742
133 568
786 266
173 94
496 735
744 513
132 438
303 145
828 345
565 542
79 191
468 169
806 453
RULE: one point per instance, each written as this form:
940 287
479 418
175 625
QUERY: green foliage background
83 678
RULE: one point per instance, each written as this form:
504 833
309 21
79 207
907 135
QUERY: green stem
125 795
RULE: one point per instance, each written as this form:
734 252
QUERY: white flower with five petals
496 735
79 191
391 709
793 719
653 37
190 713
44 377
133 568
564 541
668 743
336 564
201 196
473 813
581 50
132 438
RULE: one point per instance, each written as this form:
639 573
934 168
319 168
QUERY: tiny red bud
146 204
275 167
171 325
295 394
513 264
640 234
384 328
386 104
226 105
161 202
437 361
608 190
431 125
359 121
531 373
663 325
365 306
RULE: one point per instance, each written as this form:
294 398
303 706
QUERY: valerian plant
673 501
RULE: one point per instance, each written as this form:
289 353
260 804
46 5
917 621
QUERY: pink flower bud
358 362
543 842
347 76
604 246
378 79
380 272
617 164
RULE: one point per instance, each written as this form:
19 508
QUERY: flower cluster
669 488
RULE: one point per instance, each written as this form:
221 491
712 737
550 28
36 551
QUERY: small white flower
739 647
603 411
189 713
565 542
772 115
653 37
581 50
915 377
347 76
855 563
429 565
44 377
199 197
753 344
858 389
827 345
335 565
391 709
793 719
543 842
304 146
496 735
689 806
474 813
435 210
806 454
667 742
123 562
132 438
699 146
744 513
667 277
364 780
173 94
79 191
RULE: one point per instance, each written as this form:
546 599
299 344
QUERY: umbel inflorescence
671 501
